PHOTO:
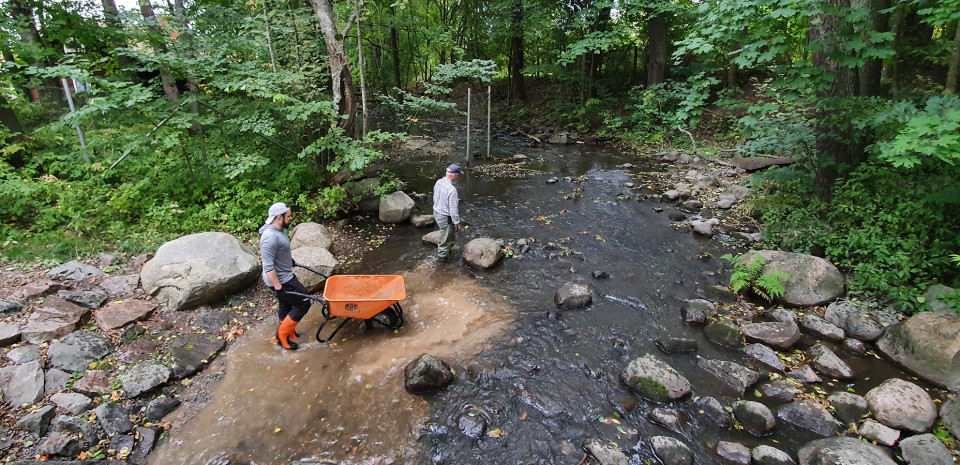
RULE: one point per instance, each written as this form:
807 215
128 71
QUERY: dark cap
454 169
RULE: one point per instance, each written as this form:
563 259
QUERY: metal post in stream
468 123
488 122
83 143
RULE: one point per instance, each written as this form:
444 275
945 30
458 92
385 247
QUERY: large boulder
22 384
925 449
317 258
363 192
814 281
310 235
54 319
198 269
426 373
902 405
396 208
843 450
482 253
927 344
78 349
653 379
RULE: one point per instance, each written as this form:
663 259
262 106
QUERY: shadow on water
542 378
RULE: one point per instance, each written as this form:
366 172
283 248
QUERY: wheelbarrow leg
334 333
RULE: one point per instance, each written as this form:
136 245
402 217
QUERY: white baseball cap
276 210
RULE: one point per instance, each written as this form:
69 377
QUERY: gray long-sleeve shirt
275 254
446 200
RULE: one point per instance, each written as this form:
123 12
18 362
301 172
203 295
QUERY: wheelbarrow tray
363 296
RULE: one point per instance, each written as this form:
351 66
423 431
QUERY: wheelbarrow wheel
389 318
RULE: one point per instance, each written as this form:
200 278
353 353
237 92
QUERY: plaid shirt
445 200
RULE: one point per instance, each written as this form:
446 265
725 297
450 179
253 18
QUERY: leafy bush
660 109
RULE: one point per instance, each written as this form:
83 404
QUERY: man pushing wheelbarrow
278 274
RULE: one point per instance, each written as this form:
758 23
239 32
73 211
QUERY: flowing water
542 380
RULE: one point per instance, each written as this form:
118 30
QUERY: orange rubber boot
285 332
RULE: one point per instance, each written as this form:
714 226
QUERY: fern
955 258
768 285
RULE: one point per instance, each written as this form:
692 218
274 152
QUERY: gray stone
120 286
396 208
121 444
927 344
426 373
925 449
854 347
863 327
878 433
158 408
146 437
667 418
950 416
10 307
737 377
604 452
94 383
715 411
22 384
198 269
71 402
553 180
765 355
472 424
725 203
738 192
74 270
719 294
674 345
814 281
938 305
432 238
821 327
780 390
91 299
560 138
9 334
211 320
136 351
842 450
54 319
24 354
756 418
317 258
192 352
827 362
785 316
59 444
655 380
703 228
671 451
902 405
573 295
365 190
75 351
724 333
75 426
54 380
697 311
837 313
35 289
849 407
779 335
766 455
804 374
733 453
37 421
692 204
113 418
482 253
310 235
423 221
810 416
144 377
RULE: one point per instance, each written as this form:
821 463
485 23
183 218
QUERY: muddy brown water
543 380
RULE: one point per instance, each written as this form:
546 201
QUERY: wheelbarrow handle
305 296
311 269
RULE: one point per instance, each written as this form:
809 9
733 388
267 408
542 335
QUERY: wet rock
113 418
779 335
78 349
120 286
697 311
926 344
765 355
738 192
573 295
714 410
804 374
821 327
667 418
837 313
34 289
316 258
718 294
9 334
671 451
780 390
396 208
756 418
37 421
122 444
767 455
71 402
146 438
553 180
925 449
950 416
810 416
674 345
655 380
212 320
878 433
22 384
854 347
24 354
137 350
724 333
482 253
733 453
75 426
75 271
703 228
192 352
737 377
426 373
432 238
725 203
472 424
423 221
92 299
158 408
827 362
10 307
198 269
849 407
842 450
605 452
55 380
93 383
144 377
310 235
902 405
676 216
560 138
863 327
59 444
692 205
785 316
600 275
938 305
54 319
814 281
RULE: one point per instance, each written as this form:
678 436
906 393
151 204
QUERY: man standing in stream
278 273
446 210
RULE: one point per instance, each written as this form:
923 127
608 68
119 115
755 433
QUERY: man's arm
268 253
455 208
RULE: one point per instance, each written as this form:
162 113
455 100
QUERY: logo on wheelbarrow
351 307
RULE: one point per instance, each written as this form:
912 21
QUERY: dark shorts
295 307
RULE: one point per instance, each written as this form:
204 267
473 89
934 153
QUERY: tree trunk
8 117
166 78
517 89
657 50
951 87
872 71
112 17
30 35
341 81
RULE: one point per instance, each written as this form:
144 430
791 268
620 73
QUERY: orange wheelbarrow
372 298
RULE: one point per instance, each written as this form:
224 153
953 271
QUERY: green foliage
931 133
662 108
480 70
766 284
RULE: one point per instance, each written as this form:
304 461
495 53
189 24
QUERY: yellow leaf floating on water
277 430
496 433
369 386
